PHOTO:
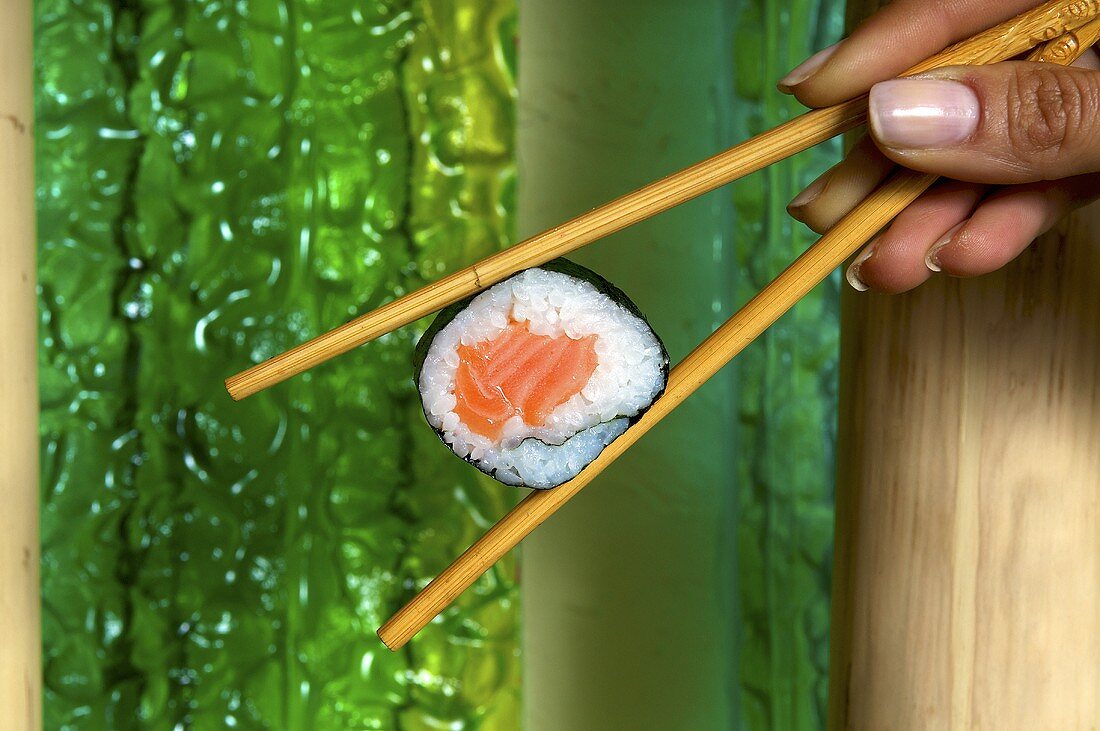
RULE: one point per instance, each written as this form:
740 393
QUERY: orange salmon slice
521 373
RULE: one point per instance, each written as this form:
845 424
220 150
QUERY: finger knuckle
1047 109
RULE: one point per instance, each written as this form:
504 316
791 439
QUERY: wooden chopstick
1050 20
1070 46
843 240
702 363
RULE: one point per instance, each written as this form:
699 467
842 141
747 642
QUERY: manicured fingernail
807 68
852 275
808 196
923 113
932 258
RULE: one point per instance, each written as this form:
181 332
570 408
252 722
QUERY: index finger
892 40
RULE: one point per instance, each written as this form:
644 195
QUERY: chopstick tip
235 392
393 644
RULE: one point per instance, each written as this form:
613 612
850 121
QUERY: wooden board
20 664
967 568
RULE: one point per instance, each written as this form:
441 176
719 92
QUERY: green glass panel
218 181
787 399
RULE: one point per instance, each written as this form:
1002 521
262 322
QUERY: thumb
1012 122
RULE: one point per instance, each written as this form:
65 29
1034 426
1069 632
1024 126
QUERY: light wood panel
967 569
20 664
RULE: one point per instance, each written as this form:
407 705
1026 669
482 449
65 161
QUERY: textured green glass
787 382
218 181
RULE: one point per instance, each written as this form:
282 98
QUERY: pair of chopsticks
1059 32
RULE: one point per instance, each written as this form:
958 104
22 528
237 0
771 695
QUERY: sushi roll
531 379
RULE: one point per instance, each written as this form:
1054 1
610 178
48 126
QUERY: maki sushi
531 379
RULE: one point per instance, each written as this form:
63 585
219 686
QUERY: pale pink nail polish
807 68
931 259
923 113
852 275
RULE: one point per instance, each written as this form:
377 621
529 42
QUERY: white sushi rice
629 375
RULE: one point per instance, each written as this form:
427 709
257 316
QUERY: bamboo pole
20 662
967 565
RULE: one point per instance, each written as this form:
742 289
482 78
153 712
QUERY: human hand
1032 127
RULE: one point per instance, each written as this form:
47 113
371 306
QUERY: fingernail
852 275
808 196
807 68
931 259
923 113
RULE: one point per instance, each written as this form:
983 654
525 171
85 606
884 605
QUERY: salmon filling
520 374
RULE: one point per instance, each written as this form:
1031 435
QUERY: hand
1033 127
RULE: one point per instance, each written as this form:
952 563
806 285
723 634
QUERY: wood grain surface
20 640
967 566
